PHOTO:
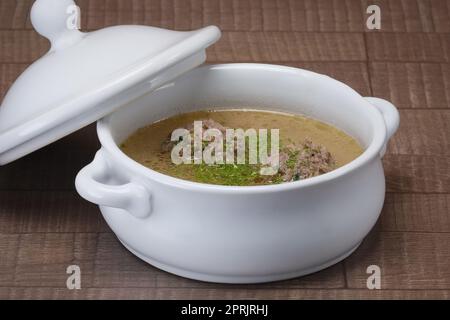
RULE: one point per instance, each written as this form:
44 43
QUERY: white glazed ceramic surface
86 76
243 234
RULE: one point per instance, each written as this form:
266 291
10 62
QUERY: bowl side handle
131 196
390 115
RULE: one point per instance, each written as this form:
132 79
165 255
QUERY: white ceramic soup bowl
243 234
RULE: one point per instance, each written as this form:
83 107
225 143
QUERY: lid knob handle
57 20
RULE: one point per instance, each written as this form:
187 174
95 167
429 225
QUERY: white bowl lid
86 76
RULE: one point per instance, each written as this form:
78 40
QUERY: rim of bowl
373 150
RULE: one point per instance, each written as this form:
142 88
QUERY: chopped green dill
292 160
227 174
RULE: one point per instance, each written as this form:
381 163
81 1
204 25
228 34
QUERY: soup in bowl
304 147
248 231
